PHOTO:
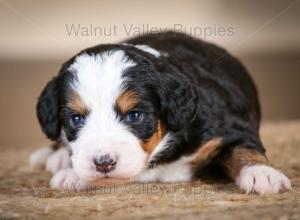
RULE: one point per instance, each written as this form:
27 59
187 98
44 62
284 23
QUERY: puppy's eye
134 117
76 120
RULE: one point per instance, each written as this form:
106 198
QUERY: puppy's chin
111 181
98 179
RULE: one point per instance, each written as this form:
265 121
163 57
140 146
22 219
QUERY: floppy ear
47 110
178 99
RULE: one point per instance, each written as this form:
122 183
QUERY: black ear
178 101
47 110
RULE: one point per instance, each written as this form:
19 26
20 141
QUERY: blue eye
76 120
134 117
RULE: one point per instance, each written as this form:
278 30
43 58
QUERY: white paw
60 159
68 179
262 179
38 158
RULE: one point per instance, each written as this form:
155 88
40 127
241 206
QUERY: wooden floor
26 195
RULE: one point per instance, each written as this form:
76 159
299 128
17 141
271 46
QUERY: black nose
105 163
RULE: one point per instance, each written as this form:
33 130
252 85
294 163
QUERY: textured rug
25 194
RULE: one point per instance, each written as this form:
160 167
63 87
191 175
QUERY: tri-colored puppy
159 107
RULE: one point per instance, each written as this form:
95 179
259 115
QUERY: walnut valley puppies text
130 30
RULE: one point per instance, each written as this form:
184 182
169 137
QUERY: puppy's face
108 113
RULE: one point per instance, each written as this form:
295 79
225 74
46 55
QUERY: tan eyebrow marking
76 104
154 140
127 100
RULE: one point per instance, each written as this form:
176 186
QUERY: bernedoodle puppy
159 107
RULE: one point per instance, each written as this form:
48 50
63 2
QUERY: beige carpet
26 195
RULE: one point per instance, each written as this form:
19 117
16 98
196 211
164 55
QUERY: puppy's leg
252 172
58 160
68 179
52 158
38 158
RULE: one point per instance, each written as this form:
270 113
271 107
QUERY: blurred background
36 37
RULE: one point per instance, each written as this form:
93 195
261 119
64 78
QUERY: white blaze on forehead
99 83
99 77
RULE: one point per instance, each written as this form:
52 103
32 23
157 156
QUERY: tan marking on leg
154 140
76 104
127 100
207 151
240 157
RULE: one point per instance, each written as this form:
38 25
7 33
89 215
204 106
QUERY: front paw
58 160
38 158
68 179
262 179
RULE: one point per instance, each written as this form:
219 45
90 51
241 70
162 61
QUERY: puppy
159 107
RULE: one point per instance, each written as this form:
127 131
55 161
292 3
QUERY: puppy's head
112 108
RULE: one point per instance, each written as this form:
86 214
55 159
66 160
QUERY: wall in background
34 41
